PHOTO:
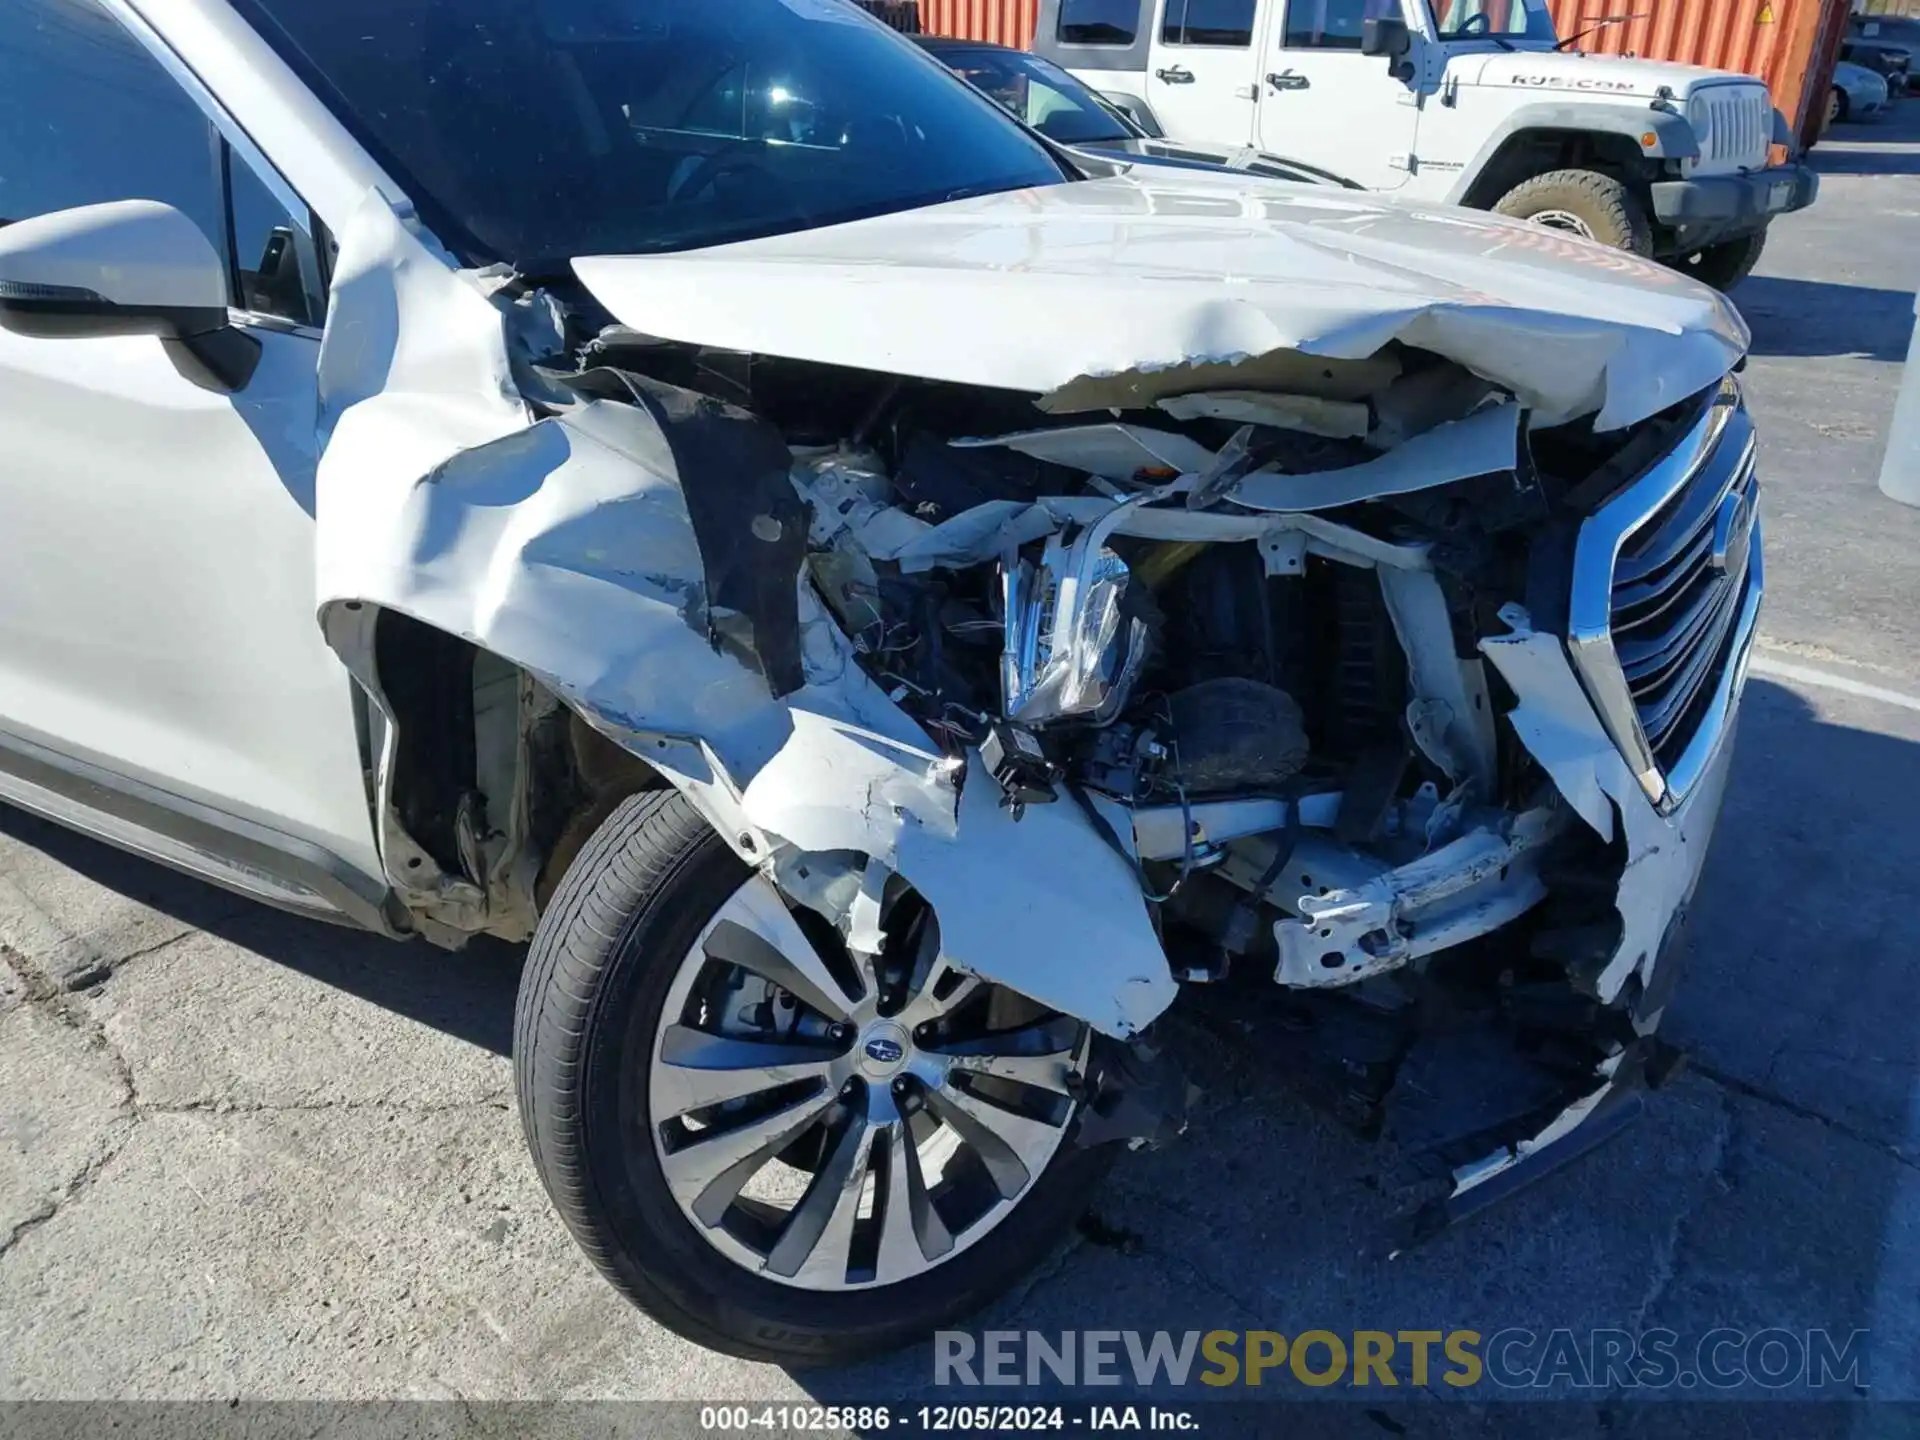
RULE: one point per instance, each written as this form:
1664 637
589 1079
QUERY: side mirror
1385 35
129 267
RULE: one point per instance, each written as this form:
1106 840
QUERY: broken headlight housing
1073 645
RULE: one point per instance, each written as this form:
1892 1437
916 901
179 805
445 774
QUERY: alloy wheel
838 1114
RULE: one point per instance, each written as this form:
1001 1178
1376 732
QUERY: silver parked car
884 612
1858 93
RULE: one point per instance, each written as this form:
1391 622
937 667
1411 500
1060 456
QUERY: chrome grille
1735 123
1667 583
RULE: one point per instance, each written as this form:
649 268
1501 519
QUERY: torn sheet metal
414 366
840 786
568 547
1288 370
1112 451
1310 414
1478 1172
989 530
564 546
968 538
1153 275
732 469
1558 726
1486 442
1063 920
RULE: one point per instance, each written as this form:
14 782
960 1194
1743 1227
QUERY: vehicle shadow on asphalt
1813 317
468 994
1849 161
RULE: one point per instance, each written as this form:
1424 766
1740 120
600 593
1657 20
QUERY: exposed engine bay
1269 676
1266 699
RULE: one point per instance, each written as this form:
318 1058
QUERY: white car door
162 678
1324 102
1200 70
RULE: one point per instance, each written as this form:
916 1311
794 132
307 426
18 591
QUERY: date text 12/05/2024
944 1419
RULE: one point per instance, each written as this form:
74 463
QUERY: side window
1208 22
1099 22
87 115
268 247
1332 24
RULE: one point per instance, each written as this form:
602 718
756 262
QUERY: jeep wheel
1725 265
773 1145
1584 203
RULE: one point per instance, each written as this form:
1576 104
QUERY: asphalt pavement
246 1156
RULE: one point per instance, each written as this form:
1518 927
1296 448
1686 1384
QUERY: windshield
1509 19
1038 92
532 131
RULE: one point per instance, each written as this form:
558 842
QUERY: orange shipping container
1791 44
1004 22
1783 42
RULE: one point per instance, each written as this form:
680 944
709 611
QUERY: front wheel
1837 105
777 1146
1584 203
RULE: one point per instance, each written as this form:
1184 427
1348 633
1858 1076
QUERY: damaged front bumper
683 576
1586 716
1666 851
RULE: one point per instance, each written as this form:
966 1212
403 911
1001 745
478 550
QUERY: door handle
1178 75
1289 80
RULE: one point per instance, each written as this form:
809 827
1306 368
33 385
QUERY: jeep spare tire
1584 203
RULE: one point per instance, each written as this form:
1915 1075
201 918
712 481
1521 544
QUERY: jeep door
1324 102
1201 69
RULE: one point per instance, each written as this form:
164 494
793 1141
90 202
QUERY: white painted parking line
1827 680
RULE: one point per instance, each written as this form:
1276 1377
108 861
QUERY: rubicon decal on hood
1575 82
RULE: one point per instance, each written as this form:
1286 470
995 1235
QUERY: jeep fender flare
1673 138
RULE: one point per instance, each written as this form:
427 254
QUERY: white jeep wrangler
1472 102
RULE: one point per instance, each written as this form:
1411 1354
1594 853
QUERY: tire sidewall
654 1249
1607 207
1725 265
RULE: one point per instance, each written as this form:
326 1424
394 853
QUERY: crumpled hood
1562 72
1034 289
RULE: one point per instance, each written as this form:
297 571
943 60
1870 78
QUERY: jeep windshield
533 131
1493 19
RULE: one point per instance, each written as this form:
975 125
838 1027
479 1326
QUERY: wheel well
1535 152
427 677
487 777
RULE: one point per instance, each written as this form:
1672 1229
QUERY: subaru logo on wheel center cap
885 1047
